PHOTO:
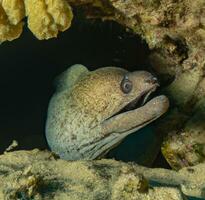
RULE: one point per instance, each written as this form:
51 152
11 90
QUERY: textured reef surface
41 175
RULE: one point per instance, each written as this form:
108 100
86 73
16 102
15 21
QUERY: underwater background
29 66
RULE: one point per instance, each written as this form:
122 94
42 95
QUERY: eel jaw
128 121
117 127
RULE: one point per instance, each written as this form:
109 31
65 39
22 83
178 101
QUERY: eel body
93 111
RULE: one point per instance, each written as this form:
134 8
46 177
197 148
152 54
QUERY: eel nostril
155 80
152 80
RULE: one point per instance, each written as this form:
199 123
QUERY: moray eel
93 111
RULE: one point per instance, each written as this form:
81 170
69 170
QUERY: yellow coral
14 10
11 14
45 18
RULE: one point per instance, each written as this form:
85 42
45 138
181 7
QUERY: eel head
111 103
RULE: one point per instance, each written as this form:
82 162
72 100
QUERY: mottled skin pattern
82 120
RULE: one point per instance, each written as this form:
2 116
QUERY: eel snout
159 105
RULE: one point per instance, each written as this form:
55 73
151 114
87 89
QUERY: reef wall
41 175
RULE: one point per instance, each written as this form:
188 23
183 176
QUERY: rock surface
41 175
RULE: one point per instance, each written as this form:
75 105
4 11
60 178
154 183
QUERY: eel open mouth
135 115
138 102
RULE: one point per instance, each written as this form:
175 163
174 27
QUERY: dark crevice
28 68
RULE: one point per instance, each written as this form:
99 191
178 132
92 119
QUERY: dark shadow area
28 67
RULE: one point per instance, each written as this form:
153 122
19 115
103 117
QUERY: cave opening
29 67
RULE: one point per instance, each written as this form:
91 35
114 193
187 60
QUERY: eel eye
126 85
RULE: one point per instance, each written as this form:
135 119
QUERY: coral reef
41 175
187 147
11 25
45 18
175 33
